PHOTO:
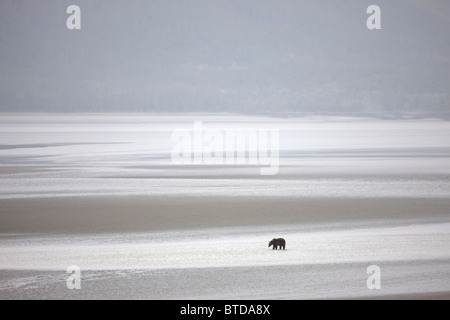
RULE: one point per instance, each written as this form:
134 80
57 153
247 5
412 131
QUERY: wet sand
317 281
86 215
36 221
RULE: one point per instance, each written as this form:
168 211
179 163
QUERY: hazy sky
246 56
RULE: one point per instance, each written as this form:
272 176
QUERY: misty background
281 57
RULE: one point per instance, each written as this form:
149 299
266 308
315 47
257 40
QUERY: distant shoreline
280 115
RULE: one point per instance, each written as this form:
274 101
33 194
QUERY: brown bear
278 243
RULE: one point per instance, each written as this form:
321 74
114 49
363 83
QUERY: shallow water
101 155
227 248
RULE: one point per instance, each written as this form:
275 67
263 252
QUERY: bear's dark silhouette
278 243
